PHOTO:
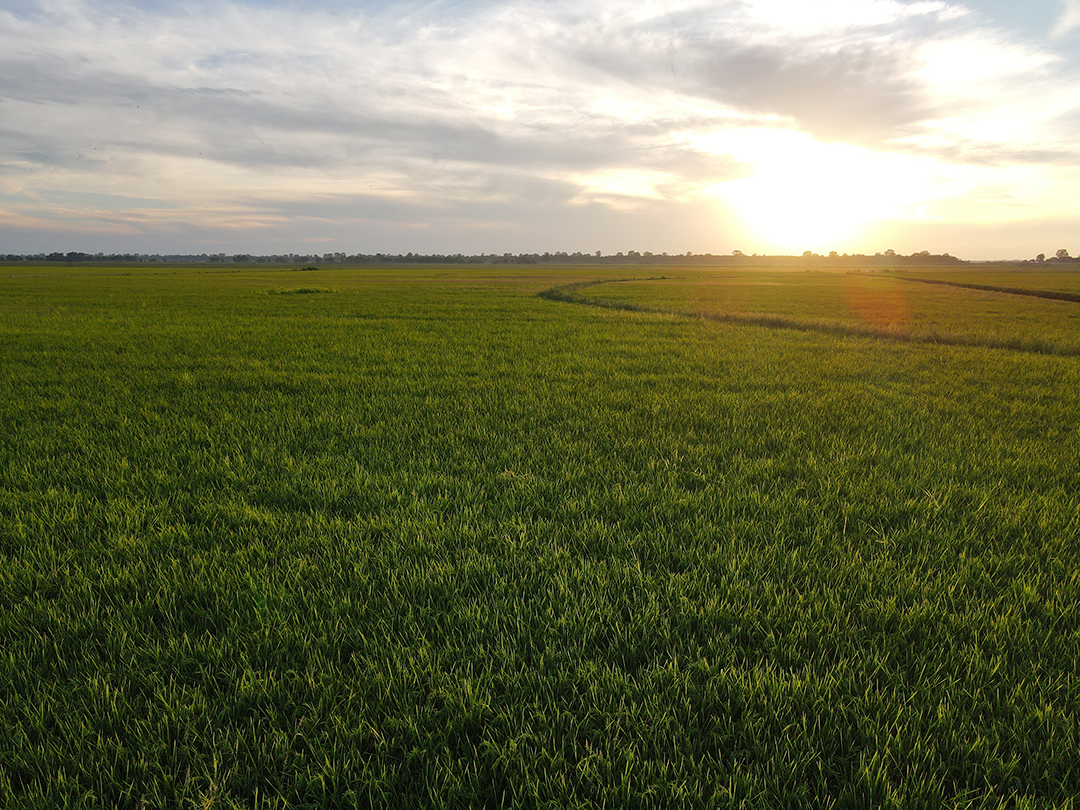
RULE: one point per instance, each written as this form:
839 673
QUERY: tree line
887 258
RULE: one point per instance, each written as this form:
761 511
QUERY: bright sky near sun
468 126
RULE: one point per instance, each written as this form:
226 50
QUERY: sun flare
802 194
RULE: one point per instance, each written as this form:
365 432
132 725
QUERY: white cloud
1070 18
829 16
503 114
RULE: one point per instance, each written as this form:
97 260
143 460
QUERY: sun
800 194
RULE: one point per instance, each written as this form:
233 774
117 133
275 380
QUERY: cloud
314 91
493 112
842 70
1070 18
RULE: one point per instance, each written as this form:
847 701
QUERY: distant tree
737 253
1062 254
833 254
806 254
890 252
1041 257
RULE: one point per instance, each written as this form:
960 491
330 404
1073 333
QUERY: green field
427 538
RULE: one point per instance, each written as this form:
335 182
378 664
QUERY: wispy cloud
474 118
1070 18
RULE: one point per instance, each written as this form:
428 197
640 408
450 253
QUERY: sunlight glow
962 65
801 194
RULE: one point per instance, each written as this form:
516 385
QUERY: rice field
479 537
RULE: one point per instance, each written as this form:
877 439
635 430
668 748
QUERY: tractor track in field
1051 295
570 294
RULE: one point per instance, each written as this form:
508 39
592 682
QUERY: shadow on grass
299 291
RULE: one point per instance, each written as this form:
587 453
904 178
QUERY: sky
766 126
